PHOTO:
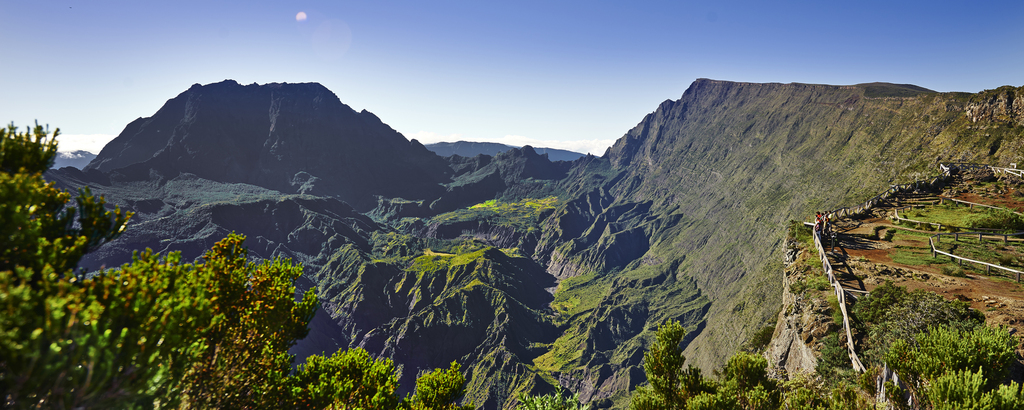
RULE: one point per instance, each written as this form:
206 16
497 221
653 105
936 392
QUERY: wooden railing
841 297
875 200
897 218
870 203
966 166
956 236
889 375
942 199
961 166
1011 171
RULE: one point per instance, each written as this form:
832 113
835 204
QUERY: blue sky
565 74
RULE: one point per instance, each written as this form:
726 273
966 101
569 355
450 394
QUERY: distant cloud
84 142
595 147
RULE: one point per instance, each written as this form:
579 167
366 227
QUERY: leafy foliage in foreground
745 383
213 334
939 368
554 401
952 366
891 313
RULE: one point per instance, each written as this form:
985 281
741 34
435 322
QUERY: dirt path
864 263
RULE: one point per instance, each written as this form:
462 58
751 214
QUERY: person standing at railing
817 223
828 232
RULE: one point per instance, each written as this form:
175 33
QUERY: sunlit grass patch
522 214
914 257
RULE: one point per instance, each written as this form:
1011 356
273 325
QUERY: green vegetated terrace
522 214
913 246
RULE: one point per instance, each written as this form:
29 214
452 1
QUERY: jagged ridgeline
531 273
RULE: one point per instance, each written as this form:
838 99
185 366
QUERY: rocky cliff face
1004 104
802 322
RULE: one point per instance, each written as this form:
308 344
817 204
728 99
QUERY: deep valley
531 273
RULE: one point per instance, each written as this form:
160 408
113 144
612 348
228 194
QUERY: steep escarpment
531 273
746 158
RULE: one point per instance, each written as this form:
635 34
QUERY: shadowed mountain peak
294 138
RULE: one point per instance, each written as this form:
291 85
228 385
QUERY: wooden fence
956 236
866 205
897 218
947 168
871 203
841 296
889 375
967 166
1010 171
942 199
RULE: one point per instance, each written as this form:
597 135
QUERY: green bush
916 312
867 380
872 307
1004 220
817 281
1005 260
369 383
895 314
760 339
889 234
669 386
965 390
954 270
947 349
554 401
744 380
439 389
954 368
834 355
837 313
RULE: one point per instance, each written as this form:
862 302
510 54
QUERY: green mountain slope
684 218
